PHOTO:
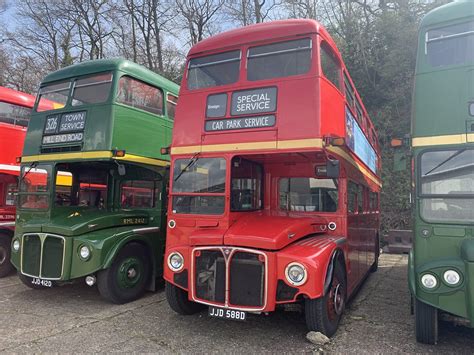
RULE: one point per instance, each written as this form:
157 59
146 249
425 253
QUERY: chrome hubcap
131 273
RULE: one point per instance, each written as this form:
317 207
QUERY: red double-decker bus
275 178
15 109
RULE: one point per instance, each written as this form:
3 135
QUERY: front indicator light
16 245
84 252
296 274
175 261
429 281
452 277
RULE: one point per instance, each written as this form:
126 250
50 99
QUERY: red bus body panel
11 146
309 110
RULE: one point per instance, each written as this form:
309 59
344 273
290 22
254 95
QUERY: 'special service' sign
253 101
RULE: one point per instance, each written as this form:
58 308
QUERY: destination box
253 101
216 105
240 123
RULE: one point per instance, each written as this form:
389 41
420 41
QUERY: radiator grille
42 255
246 277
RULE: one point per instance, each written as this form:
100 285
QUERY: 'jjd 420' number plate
40 282
223 313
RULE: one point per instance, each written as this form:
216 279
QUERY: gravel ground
73 318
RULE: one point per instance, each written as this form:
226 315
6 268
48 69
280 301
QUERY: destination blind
64 128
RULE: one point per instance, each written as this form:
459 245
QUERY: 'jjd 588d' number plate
223 313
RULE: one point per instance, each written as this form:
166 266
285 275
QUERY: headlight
84 252
16 245
452 277
429 281
296 274
175 261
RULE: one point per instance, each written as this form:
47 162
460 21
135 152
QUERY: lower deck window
246 193
305 194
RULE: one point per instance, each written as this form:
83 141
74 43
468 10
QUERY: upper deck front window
447 185
56 93
213 70
15 114
92 90
451 45
280 59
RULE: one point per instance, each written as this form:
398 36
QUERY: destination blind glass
447 186
213 70
64 128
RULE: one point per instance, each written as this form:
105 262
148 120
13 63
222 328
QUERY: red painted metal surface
309 111
11 145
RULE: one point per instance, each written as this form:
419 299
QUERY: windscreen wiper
192 161
452 156
32 166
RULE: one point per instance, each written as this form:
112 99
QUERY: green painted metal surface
55 235
440 110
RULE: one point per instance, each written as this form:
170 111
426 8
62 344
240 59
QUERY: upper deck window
350 96
213 70
278 60
15 114
56 93
140 95
451 45
330 65
92 90
171 102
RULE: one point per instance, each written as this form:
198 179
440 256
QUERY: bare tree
196 16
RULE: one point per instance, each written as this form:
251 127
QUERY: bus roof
259 32
16 97
453 11
101 65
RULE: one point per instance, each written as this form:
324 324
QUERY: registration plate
224 313
40 282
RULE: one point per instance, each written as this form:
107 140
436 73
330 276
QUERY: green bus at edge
441 264
92 192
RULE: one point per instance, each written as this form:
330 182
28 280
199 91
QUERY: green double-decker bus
441 264
92 192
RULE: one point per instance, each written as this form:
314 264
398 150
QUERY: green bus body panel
108 126
441 98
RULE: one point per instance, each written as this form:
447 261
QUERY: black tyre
5 253
324 314
426 323
35 284
127 278
178 300
375 265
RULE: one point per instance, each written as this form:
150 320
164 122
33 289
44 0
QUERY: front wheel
426 323
324 314
178 300
127 277
5 253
